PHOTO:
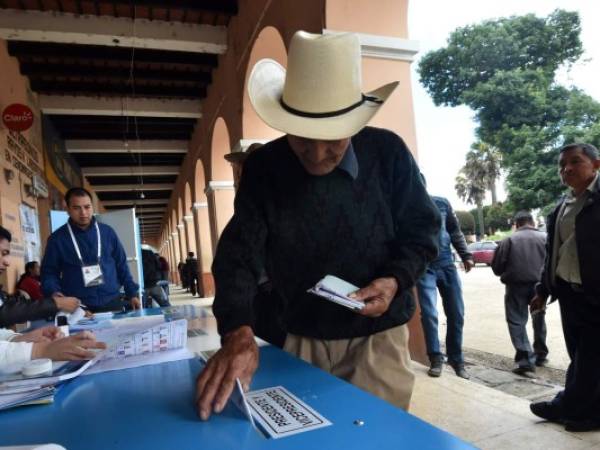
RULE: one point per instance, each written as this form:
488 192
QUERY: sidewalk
488 418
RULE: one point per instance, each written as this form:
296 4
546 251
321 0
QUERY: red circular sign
17 117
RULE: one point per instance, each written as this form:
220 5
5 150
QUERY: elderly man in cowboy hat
334 197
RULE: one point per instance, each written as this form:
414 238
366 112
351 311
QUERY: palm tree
471 190
486 159
480 172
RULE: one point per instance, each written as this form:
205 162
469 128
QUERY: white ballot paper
279 413
239 399
140 344
337 290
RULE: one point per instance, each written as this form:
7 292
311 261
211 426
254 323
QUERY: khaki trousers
379 364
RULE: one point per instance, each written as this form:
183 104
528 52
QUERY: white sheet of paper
281 414
134 340
139 360
239 400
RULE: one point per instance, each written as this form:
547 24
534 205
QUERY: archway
219 191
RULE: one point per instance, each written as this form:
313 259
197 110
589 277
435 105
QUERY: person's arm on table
72 348
237 266
17 310
237 358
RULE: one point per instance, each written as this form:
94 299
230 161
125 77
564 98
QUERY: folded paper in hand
337 290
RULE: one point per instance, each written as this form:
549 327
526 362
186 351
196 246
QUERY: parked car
483 251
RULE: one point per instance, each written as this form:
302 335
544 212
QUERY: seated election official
85 260
46 342
331 197
17 309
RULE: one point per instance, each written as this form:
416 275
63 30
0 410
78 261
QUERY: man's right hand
70 348
237 358
69 304
537 304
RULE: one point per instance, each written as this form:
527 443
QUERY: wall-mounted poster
30 230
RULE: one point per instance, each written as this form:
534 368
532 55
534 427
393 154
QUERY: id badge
92 275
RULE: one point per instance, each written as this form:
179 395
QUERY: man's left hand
135 303
377 296
468 264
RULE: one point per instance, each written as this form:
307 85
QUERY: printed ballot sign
279 413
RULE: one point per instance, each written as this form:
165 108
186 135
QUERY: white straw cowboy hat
320 96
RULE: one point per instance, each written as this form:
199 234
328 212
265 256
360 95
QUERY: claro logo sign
17 117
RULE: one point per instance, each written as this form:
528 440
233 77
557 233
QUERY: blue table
152 408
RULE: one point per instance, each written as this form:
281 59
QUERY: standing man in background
85 260
442 275
518 262
152 289
191 269
571 275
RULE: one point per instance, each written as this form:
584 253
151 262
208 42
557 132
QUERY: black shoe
547 411
524 370
576 426
460 371
435 370
541 362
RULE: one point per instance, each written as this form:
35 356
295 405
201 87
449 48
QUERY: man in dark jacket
442 275
570 274
86 260
332 196
518 262
191 269
152 275
16 309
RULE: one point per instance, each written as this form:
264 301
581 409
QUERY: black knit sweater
302 227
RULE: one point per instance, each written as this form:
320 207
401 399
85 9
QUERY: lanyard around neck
77 246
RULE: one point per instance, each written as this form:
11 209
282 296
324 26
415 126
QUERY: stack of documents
34 396
130 343
337 290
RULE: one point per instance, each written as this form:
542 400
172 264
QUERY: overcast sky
444 135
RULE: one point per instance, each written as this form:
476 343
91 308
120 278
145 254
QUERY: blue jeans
445 278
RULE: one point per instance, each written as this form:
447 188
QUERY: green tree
484 161
505 71
466 222
498 217
471 189
476 53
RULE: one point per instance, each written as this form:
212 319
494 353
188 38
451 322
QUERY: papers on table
277 412
131 362
29 397
61 371
337 290
133 344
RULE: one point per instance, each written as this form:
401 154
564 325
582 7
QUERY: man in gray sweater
518 262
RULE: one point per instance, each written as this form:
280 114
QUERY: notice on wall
21 155
30 233
279 413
